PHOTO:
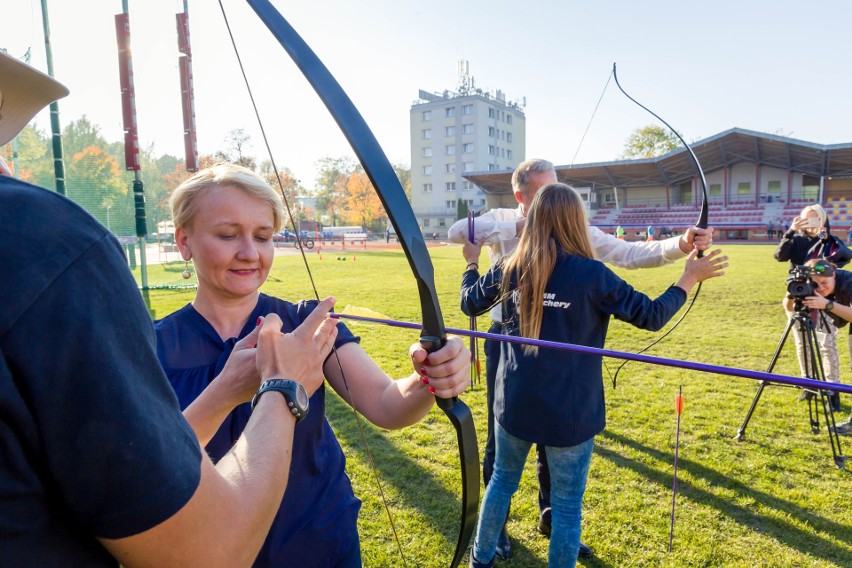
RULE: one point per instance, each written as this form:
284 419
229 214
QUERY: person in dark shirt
552 288
834 297
98 464
224 219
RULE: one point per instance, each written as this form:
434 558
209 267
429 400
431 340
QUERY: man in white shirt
499 229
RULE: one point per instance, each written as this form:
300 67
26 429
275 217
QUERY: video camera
799 284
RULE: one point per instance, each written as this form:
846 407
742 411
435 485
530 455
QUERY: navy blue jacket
556 398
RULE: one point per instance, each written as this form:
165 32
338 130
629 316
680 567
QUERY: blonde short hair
185 199
816 208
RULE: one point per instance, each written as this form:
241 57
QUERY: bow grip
431 344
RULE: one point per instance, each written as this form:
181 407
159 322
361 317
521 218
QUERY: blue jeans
569 468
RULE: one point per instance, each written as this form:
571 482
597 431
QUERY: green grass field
775 499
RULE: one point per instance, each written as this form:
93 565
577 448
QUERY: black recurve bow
389 189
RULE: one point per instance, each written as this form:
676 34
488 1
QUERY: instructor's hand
300 354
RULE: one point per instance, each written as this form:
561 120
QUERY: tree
649 141
461 209
403 172
35 160
330 185
81 134
238 142
291 186
362 199
95 181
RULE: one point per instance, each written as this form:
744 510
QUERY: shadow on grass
414 486
784 532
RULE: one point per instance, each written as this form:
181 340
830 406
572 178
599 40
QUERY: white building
454 134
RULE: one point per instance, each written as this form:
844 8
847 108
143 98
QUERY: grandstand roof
725 149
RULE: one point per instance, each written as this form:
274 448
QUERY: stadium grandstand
756 183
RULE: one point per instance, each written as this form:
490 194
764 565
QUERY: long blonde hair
556 220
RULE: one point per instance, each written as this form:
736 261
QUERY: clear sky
778 67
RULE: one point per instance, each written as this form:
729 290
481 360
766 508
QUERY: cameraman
810 238
834 297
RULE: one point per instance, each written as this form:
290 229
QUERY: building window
427 115
450 149
492 149
442 222
508 154
509 137
492 167
467 148
427 188
774 187
451 203
509 118
715 190
467 110
469 202
451 168
427 152
467 185
427 170
482 202
744 188
492 132
450 112
451 186
502 152
467 129
450 131
492 113
427 134
425 222
467 167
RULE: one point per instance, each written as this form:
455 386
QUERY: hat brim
25 91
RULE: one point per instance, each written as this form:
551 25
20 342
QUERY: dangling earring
187 274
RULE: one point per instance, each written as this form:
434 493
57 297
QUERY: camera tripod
804 326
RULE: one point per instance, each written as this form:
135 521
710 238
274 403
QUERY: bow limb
389 189
702 216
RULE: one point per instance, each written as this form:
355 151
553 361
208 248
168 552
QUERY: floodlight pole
58 161
131 135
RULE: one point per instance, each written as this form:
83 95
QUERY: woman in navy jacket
552 288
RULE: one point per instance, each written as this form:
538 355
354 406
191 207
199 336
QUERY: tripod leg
828 411
741 431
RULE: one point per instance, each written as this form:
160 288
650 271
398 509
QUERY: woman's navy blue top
316 524
556 398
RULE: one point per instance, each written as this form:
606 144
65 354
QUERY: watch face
302 396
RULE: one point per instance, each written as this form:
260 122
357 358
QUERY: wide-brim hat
24 91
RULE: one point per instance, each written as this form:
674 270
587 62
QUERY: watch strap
290 389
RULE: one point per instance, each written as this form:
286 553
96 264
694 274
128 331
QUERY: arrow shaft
691 365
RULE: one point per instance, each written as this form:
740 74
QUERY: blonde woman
224 218
810 238
552 288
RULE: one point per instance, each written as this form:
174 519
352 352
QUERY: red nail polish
432 390
422 370
259 321
424 380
